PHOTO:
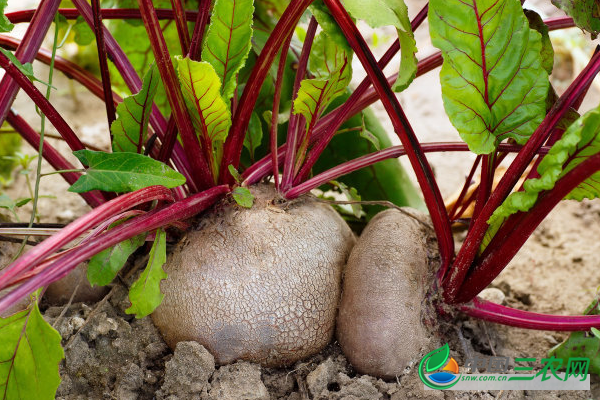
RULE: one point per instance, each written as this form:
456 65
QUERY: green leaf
578 143
9 144
585 14
145 293
326 21
104 266
571 115
493 81
331 65
437 358
29 356
243 197
234 172
130 128
122 172
227 41
254 135
83 33
536 22
365 134
378 13
351 194
201 90
5 24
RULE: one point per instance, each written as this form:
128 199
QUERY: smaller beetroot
380 325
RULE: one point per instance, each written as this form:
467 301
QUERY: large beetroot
259 284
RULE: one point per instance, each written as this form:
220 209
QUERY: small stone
493 295
359 388
239 381
322 376
187 373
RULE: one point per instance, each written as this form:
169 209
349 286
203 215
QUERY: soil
112 355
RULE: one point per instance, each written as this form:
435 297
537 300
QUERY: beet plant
221 139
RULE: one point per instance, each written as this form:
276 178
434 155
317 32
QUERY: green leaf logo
433 361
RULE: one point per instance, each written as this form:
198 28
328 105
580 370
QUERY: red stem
295 125
235 140
470 247
181 24
123 65
145 223
69 68
50 154
275 112
201 172
21 16
199 28
102 59
40 100
115 206
503 248
28 48
343 112
465 188
431 192
372 158
488 311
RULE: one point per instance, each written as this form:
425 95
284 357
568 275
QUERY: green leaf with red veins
579 142
29 356
378 13
494 85
201 86
145 293
585 14
130 129
331 65
228 40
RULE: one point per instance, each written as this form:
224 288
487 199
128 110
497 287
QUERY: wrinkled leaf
243 197
122 172
130 128
331 65
493 82
585 14
145 293
536 22
5 24
254 135
378 13
104 266
29 356
201 91
227 41
578 143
